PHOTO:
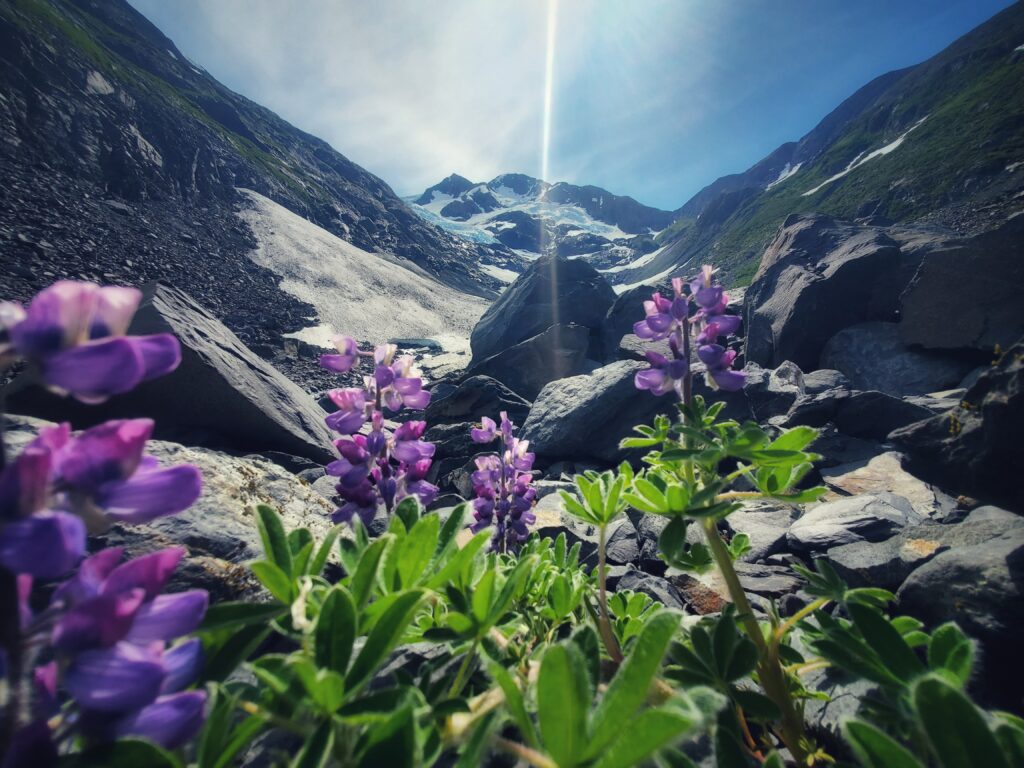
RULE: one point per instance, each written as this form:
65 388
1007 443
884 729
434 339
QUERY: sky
648 98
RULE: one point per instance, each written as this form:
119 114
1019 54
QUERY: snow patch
1014 166
96 83
1018 48
171 54
860 159
499 273
784 174
643 261
355 292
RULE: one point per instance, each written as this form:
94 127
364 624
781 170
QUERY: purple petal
31 747
149 572
170 721
345 422
417 401
727 324
729 380
93 372
44 685
113 311
337 363
407 386
383 375
119 679
149 494
161 354
24 485
98 623
169 616
88 580
56 318
711 354
108 452
182 663
45 545
651 379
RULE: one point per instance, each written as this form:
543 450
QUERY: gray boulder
874 356
772 392
766 524
655 587
472 399
526 367
550 291
221 396
980 281
871 517
816 277
976 448
824 379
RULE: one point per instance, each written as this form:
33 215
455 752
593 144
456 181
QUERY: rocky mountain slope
938 143
533 217
122 161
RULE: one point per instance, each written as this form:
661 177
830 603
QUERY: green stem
460 677
532 756
769 667
605 623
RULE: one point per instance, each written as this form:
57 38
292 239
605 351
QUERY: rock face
873 517
880 473
219 530
875 356
976 449
526 367
586 416
221 396
472 399
968 295
552 290
816 277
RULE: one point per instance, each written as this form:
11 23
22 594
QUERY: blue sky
650 98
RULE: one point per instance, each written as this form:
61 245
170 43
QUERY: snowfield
355 292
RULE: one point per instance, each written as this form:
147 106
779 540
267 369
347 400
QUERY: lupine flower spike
376 468
502 484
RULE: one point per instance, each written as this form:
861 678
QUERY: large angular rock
551 291
772 393
875 414
871 517
766 524
218 531
873 356
816 277
981 588
586 416
472 399
882 473
221 396
967 295
976 449
526 367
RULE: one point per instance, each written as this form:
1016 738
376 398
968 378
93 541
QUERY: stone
968 295
656 587
836 448
981 588
823 379
766 524
526 367
881 473
874 356
551 290
472 399
219 531
622 315
772 393
816 277
939 402
871 517
875 414
888 563
221 396
975 449
622 546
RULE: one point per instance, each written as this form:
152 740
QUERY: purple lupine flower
671 320
113 634
378 469
502 485
73 333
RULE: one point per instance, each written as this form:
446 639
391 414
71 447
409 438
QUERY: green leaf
795 439
898 657
644 735
450 530
563 700
316 752
956 729
275 543
392 742
365 576
460 561
757 705
324 686
383 638
409 511
876 749
774 760
336 630
628 689
574 508
277 582
417 549
224 657
240 614
483 593
515 703
320 558
950 649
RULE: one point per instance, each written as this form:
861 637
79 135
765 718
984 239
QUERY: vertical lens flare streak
545 149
